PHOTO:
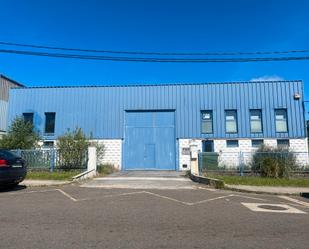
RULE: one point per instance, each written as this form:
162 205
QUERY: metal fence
53 159
247 163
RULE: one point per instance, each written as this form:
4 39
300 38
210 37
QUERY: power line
151 59
151 53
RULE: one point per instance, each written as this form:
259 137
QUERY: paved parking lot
79 217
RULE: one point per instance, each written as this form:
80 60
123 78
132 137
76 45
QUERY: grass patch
58 175
262 181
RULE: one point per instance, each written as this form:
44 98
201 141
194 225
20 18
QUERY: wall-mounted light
296 96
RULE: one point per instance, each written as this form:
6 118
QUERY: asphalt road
79 217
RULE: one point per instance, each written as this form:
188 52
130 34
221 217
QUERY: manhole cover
271 207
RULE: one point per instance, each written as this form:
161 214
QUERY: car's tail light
3 163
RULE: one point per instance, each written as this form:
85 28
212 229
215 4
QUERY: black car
13 169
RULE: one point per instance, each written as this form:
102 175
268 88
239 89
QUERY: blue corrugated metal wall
101 110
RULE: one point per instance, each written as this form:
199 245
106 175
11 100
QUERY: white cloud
268 78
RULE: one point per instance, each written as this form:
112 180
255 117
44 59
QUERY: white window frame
259 119
207 120
231 119
283 121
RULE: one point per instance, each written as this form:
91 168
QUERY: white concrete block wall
113 152
186 159
230 157
300 147
270 142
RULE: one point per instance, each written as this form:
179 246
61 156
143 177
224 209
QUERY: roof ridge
167 84
13 81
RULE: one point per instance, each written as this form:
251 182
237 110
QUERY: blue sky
167 26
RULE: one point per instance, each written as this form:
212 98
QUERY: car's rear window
7 154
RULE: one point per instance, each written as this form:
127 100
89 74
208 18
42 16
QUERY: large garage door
149 141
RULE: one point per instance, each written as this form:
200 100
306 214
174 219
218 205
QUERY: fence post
241 163
52 160
92 160
200 165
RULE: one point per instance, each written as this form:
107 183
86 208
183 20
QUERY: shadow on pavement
12 189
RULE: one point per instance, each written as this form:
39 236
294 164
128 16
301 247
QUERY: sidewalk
142 180
269 189
40 183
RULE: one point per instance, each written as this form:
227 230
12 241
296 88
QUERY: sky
160 26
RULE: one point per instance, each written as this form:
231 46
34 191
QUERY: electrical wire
151 53
151 59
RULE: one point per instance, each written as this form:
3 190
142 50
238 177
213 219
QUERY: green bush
72 149
273 162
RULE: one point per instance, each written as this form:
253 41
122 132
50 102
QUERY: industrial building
152 127
5 85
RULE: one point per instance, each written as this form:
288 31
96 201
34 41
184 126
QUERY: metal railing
248 163
53 159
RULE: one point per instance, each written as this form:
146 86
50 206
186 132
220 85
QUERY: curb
85 175
45 184
218 184
306 195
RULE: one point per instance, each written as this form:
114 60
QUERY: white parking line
248 197
154 194
109 196
66 194
306 204
206 188
168 198
212 199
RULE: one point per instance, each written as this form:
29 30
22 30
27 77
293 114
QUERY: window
281 120
207 126
283 143
256 143
50 122
231 121
208 146
256 121
28 117
231 143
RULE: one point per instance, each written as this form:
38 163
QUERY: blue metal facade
3 115
101 110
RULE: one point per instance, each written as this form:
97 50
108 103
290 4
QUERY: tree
21 135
